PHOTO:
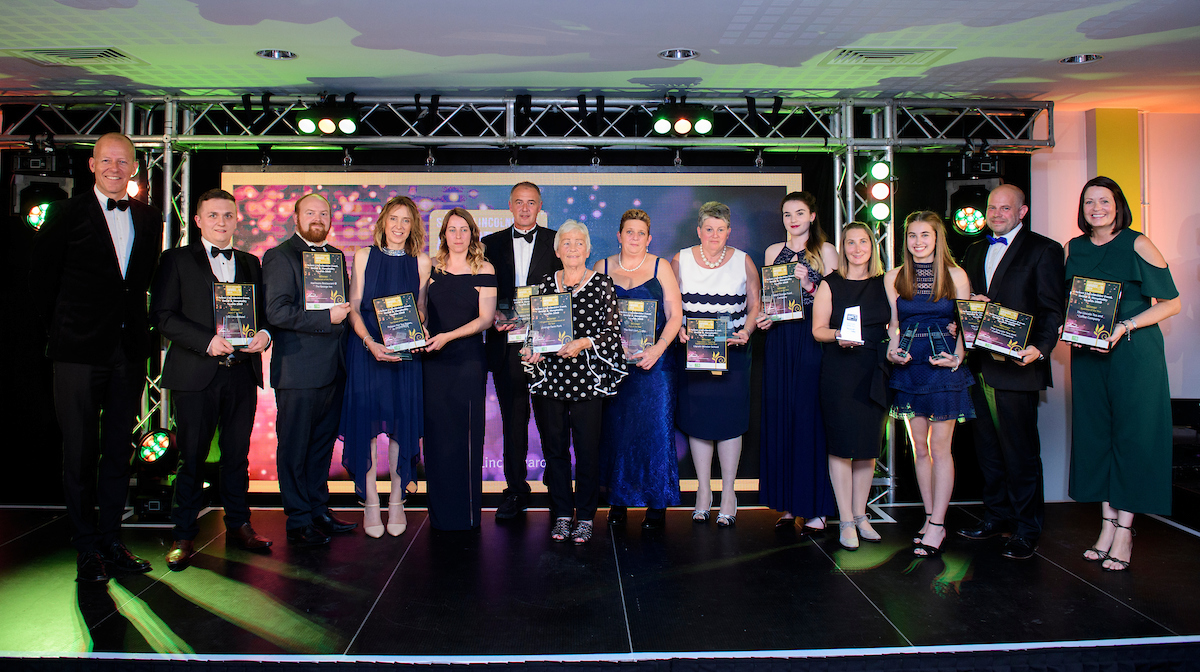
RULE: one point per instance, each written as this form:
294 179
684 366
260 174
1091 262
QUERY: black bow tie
228 253
121 205
527 236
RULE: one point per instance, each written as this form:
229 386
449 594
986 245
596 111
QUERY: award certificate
520 313
1091 312
399 323
781 292
970 313
706 344
1003 330
639 319
324 280
233 305
550 321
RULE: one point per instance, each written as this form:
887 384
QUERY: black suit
309 379
99 341
207 392
1029 278
504 359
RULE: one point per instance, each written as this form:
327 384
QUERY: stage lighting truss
682 120
329 118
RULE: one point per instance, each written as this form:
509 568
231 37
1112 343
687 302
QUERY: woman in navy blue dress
931 390
383 390
637 444
793 466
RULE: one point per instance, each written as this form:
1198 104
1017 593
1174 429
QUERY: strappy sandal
701 515
927 551
561 529
1101 556
728 519
582 532
842 527
917 537
1120 565
868 534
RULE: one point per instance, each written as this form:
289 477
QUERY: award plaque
638 323
706 344
324 280
1091 312
969 315
233 305
520 313
550 321
906 339
1003 330
939 343
781 292
851 330
399 323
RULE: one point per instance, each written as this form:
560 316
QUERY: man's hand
338 313
219 347
1028 356
259 343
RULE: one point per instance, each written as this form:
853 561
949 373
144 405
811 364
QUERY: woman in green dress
1120 398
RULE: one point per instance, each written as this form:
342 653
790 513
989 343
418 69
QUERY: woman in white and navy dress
717 281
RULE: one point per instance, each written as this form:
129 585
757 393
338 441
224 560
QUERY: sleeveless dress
1121 400
381 397
637 445
712 407
854 397
455 377
922 389
793 465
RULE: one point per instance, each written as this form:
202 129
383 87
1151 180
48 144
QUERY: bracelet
1130 327
367 343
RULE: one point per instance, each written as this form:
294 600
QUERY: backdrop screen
672 199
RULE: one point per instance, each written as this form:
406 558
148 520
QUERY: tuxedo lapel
1014 249
200 255
543 249
100 226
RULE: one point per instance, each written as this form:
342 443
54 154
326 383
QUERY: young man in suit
523 254
212 384
92 264
308 376
1022 270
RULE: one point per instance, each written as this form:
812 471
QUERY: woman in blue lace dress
793 465
931 391
637 444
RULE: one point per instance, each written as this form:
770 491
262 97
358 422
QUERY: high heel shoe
397 521
919 534
700 515
812 530
842 527
923 550
1101 556
1119 565
372 521
866 533
728 519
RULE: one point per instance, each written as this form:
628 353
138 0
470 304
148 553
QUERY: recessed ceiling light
276 54
1080 58
678 54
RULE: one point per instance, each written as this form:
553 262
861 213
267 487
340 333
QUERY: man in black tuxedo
212 384
523 254
308 376
92 264
1022 270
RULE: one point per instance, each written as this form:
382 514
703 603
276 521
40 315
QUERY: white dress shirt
522 256
120 227
224 269
996 252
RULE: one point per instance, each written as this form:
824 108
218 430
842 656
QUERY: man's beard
305 234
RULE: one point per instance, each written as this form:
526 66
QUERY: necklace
631 270
704 258
570 289
393 253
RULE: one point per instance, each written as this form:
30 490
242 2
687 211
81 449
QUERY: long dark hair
1124 216
816 236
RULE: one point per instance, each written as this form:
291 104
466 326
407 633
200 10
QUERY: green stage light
154 445
348 126
682 119
880 170
969 220
662 126
704 126
879 190
306 126
33 201
881 212
328 118
37 215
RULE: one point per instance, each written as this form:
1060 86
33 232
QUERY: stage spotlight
879 191
153 447
968 206
329 118
969 220
682 119
306 125
35 199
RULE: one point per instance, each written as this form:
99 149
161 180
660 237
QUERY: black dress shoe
122 559
656 519
308 535
89 568
985 530
246 538
1019 548
511 506
617 515
181 552
330 525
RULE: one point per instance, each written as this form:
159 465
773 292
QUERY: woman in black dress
462 303
853 377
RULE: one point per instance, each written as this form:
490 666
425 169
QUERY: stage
697 593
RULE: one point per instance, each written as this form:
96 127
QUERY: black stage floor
508 593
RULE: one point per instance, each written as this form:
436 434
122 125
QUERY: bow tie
527 236
215 252
318 248
993 241
121 205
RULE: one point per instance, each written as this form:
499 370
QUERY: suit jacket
86 308
306 347
181 308
499 250
1030 279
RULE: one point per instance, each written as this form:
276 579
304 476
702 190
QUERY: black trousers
559 421
306 427
512 393
227 403
1010 456
97 409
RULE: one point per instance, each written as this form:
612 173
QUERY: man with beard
308 377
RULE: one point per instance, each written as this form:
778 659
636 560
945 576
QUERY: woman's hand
837 335
1119 332
945 360
528 355
381 353
739 337
897 356
437 342
572 348
763 321
646 359
683 336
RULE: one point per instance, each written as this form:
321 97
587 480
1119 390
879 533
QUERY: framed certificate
639 319
781 292
519 313
970 313
399 323
706 344
324 279
550 321
1003 330
1091 312
233 308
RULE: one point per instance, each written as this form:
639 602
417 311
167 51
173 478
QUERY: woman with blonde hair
931 391
383 390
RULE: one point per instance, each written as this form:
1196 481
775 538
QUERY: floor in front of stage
507 591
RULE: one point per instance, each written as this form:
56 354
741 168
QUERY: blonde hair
943 261
475 252
634 215
874 264
416 233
